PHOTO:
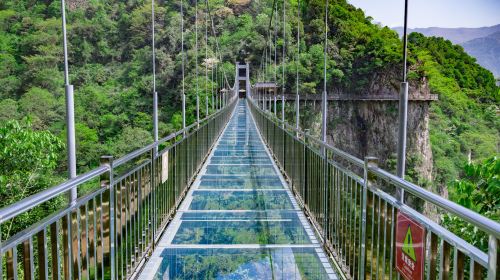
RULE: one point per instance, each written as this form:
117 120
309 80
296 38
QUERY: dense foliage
464 123
28 160
479 190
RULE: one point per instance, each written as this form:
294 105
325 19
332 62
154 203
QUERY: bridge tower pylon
242 75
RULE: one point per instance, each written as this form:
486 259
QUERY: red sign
410 240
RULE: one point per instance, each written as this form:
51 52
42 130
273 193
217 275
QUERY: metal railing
356 219
110 232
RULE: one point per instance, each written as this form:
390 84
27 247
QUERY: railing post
206 105
197 110
70 110
283 109
263 99
402 124
297 114
107 182
493 258
275 100
270 103
183 115
154 172
306 168
369 162
326 190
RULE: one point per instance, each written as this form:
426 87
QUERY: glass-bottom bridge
210 202
239 220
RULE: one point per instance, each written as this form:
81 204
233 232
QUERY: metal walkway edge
239 220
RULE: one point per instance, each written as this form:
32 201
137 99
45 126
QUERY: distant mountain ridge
487 51
456 35
483 43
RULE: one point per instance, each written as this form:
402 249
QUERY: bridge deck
239 220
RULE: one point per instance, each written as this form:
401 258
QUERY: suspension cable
216 82
183 70
216 38
206 62
324 104
264 52
267 59
155 94
326 46
212 84
153 42
283 65
284 47
297 105
298 47
275 44
196 63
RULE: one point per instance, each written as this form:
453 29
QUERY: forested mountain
110 67
483 43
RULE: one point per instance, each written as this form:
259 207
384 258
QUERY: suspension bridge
243 194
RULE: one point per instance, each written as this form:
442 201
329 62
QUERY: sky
433 13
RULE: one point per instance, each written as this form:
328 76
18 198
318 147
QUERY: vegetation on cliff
464 122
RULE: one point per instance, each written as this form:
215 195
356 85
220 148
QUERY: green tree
8 110
41 106
28 160
479 190
131 138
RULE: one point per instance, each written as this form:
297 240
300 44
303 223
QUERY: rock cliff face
370 127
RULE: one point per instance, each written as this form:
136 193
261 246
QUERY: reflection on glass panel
241 183
240 153
240 200
240 160
246 215
226 264
240 232
247 140
241 169
241 147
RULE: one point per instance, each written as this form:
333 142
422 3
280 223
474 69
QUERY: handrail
489 226
39 225
476 253
30 202
133 155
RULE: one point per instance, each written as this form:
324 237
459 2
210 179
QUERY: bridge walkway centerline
245 224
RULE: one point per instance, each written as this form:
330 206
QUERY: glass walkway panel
239 220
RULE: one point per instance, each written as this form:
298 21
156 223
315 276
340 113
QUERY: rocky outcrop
370 127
